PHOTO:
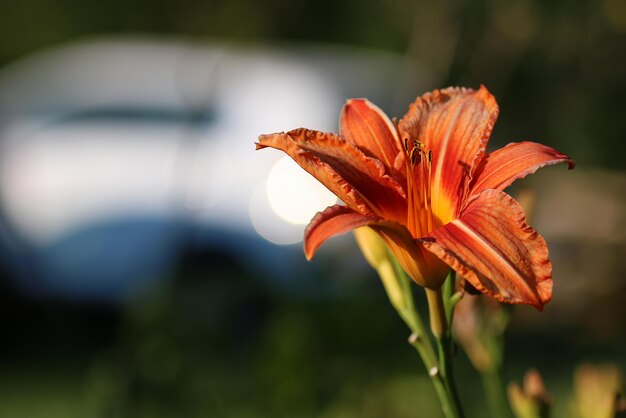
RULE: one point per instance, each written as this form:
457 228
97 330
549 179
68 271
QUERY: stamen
431 225
416 156
419 161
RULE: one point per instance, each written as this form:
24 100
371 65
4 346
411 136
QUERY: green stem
440 317
444 346
491 375
419 338
422 343
496 396
448 406
450 297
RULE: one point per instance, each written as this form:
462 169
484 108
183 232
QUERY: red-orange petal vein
455 124
365 125
384 196
332 221
493 248
514 161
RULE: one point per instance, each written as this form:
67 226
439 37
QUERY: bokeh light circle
293 194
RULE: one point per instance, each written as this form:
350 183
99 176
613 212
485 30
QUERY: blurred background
151 261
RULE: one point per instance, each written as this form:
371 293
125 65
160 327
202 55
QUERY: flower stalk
439 367
398 288
441 308
495 393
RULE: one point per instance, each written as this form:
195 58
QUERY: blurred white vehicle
114 153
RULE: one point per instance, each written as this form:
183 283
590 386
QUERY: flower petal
365 125
422 266
493 248
516 160
384 196
333 220
455 124
318 169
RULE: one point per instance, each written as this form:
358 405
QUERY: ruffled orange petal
365 125
332 221
318 169
455 124
516 160
384 196
493 248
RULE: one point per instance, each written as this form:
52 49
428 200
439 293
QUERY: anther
416 156
415 151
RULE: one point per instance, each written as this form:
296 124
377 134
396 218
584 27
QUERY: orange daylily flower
430 190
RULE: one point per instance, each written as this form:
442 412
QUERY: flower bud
376 254
597 392
372 246
532 400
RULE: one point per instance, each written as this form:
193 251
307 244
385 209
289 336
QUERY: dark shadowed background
151 261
